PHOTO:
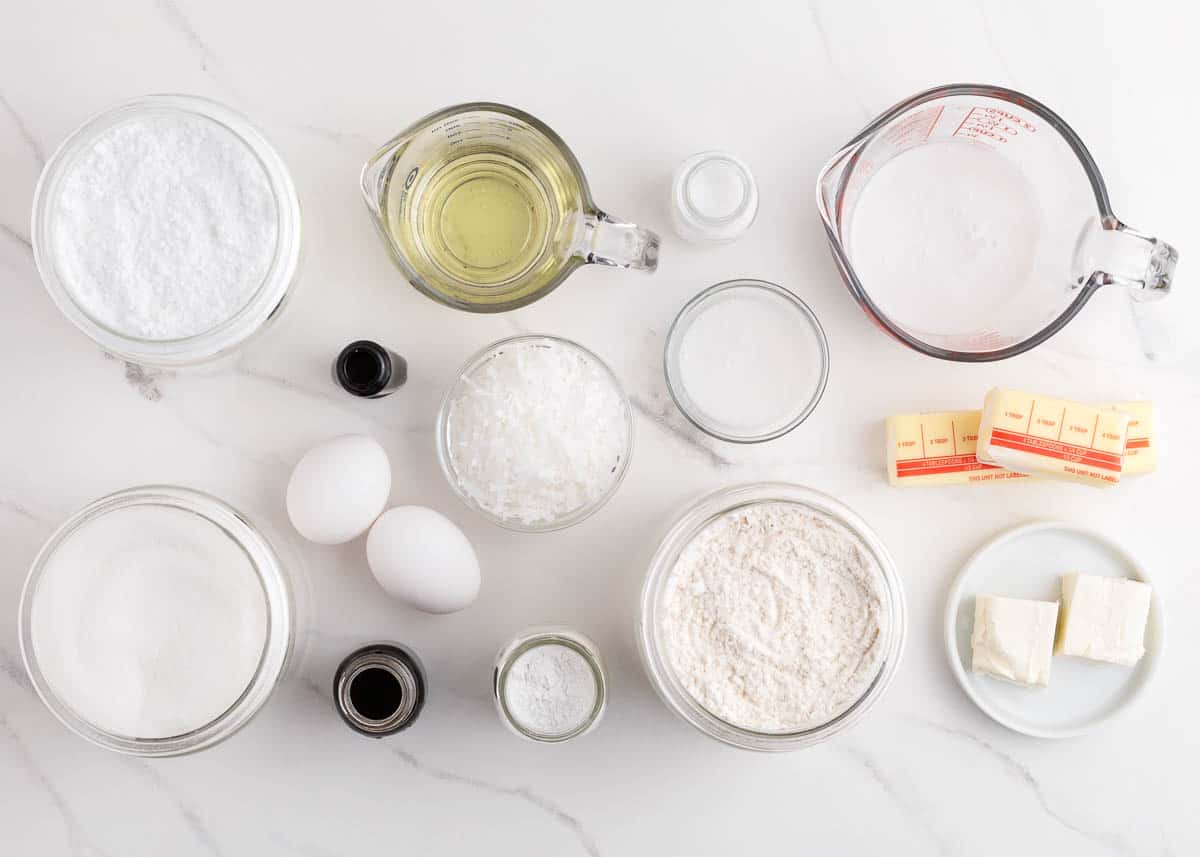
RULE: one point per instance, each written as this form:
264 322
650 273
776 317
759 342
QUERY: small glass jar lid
714 198
549 684
746 361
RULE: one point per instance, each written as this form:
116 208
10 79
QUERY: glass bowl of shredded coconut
156 621
772 617
535 434
167 229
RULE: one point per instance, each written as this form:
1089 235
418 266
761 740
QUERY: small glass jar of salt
714 198
549 684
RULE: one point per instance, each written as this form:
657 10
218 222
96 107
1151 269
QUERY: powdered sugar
164 227
550 690
773 616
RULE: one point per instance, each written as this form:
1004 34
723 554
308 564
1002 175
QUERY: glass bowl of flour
156 621
772 617
167 229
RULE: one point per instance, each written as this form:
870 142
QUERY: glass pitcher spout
605 241
1110 253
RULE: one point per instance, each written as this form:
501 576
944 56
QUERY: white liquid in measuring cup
944 235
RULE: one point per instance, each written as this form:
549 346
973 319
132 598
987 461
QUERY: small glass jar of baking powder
549 684
714 198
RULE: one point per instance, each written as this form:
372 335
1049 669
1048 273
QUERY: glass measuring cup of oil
484 208
971 223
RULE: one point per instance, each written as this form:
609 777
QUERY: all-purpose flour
165 227
773 617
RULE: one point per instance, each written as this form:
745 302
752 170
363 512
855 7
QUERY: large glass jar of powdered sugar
156 621
167 229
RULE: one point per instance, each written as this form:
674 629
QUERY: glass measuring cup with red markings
971 224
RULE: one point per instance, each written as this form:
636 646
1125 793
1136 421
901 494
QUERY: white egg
421 558
338 489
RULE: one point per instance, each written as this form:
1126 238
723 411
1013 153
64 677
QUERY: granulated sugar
165 227
149 622
773 617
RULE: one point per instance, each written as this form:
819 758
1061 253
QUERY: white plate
1028 562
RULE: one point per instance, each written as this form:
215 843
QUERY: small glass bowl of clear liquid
746 361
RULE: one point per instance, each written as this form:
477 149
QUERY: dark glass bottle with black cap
368 370
379 689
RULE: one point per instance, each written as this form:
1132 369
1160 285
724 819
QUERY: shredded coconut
537 433
550 690
773 618
165 227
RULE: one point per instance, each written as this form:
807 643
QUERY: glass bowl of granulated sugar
167 229
772 617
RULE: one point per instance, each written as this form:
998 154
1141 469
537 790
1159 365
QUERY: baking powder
773 617
165 227
550 690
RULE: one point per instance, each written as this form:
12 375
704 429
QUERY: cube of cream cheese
1104 618
1013 638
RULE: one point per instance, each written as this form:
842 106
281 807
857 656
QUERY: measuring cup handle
605 241
1110 253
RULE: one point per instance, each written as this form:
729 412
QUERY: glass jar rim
268 298
443 427
277 598
685 527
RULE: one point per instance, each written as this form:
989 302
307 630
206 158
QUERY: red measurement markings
1057 449
966 463
933 124
994 124
963 122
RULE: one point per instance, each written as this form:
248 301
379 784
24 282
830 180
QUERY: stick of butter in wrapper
939 448
1054 438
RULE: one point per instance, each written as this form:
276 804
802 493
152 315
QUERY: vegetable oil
488 223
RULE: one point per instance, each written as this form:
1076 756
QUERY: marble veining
1112 841
632 90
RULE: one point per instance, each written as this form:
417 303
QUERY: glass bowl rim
267 300
682 530
693 307
277 598
443 425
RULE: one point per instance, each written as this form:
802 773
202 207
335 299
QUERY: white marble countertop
633 87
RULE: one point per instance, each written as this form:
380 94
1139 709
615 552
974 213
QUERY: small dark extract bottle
367 369
379 689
